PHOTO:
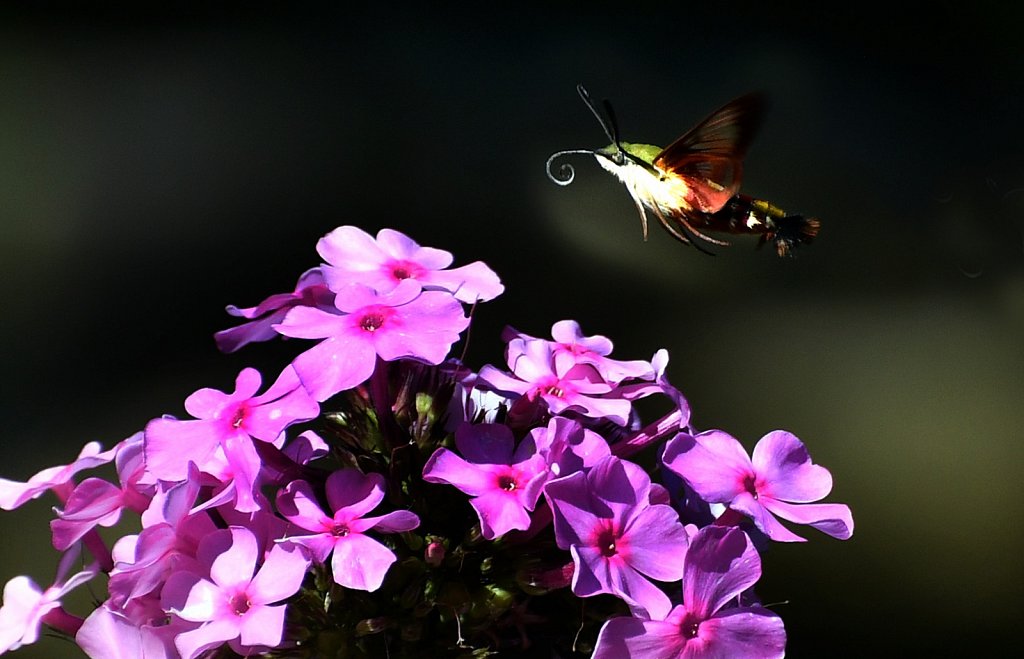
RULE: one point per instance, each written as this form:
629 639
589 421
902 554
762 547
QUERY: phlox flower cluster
381 498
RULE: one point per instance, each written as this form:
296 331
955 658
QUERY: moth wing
709 157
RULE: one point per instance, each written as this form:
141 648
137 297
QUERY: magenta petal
354 493
311 323
298 504
499 513
336 364
720 564
783 462
571 508
632 638
280 577
745 634
763 518
471 283
713 463
637 591
834 519
110 635
263 625
235 566
350 247
428 327
360 562
172 444
446 466
591 575
193 643
658 543
397 521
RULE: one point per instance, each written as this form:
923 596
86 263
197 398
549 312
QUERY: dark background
155 167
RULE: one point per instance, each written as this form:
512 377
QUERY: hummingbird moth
692 185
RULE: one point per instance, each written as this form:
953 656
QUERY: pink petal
396 521
193 643
499 513
470 283
280 577
783 462
751 633
657 543
361 563
720 564
713 463
263 625
834 519
632 638
235 566
334 365
172 444
354 493
298 504
445 466
636 590
763 518
350 248
400 246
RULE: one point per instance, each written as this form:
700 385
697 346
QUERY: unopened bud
434 554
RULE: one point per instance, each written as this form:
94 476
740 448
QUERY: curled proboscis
566 172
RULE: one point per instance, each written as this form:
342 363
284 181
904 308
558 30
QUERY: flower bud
434 554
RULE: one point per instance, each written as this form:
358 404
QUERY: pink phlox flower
594 350
13 493
228 423
240 601
568 447
97 502
167 543
26 606
139 630
358 561
403 323
778 477
309 292
657 384
720 565
616 536
503 480
382 264
539 375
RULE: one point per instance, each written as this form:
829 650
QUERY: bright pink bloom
616 536
593 350
358 561
239 601
504 481
26 606
539 374
382 264
309 292
778 477
720 565
225 427
404 323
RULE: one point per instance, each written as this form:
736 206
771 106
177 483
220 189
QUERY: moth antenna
608 131
566 172
612 121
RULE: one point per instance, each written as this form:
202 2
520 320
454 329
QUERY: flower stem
62 621
380 392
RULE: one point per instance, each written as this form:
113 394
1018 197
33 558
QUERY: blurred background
157 166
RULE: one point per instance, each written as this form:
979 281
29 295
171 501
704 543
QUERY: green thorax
645 152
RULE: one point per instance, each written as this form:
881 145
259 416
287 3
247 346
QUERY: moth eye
620 159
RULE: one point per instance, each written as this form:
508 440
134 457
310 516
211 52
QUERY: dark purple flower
720 565
504 481
403 323
358 561
616 536
382 264
778 477
309 292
